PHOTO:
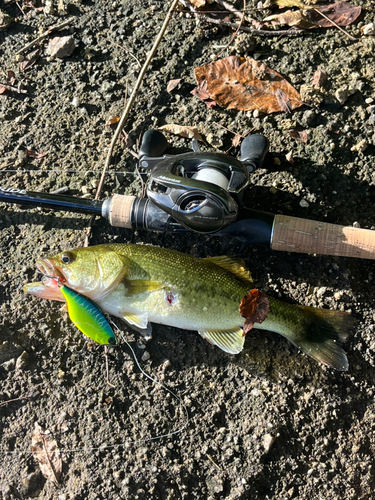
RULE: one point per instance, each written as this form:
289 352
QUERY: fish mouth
51 275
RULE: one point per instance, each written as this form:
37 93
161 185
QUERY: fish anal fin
139 321
230 341
235 266
134 287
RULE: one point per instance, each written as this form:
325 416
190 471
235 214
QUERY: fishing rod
203 192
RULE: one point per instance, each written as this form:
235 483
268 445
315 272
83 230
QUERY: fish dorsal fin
235 266
140 321
133 287
230 341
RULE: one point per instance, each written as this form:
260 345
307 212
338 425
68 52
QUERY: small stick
254 31
13 89
55 27
229 7
122 48
126 112
336 25
237 30
107 366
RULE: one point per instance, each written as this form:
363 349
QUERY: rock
22 361
61 46
9 351
5 20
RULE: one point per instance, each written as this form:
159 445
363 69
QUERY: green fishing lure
87 317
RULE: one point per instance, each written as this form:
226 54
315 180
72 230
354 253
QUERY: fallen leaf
289 157
291 18
30 60
182 131
172 84
202 93
198 3
298 135
236 140
11 79
283 100
342 13
319 78
254 308
289 3
245 84
112 120
33 154
47 454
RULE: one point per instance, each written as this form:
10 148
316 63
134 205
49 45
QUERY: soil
269 423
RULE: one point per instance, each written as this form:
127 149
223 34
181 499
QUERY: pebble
146 356
303 203
321 291
61 46
268 441
356 224
76 101
22 361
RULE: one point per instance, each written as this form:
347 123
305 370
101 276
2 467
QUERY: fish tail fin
321 334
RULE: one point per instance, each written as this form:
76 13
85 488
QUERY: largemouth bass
143 284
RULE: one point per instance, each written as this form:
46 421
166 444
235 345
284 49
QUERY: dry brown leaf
182 131
319 78
33 154
245 84
47 454
112 120
236 140
289 3
202 93
291 18
289 157
342 13
30 60
198 3
172 84
298 135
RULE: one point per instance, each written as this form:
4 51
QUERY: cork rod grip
291 234
120 211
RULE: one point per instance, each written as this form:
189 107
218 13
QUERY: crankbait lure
87 317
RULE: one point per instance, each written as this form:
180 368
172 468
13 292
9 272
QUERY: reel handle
153 144
253 151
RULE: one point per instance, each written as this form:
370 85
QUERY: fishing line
125 443
68 171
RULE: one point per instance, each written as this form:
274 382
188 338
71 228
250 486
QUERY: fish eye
112 340
67 257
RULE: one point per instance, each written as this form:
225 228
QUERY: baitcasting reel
202 191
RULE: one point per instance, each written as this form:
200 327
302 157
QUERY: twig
229 7
237 30
55 27
336 25
254 31
13 89
122 48
126 112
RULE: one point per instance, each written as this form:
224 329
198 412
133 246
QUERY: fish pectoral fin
133 287
230 341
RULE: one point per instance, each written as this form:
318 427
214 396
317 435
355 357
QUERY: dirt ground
270 423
